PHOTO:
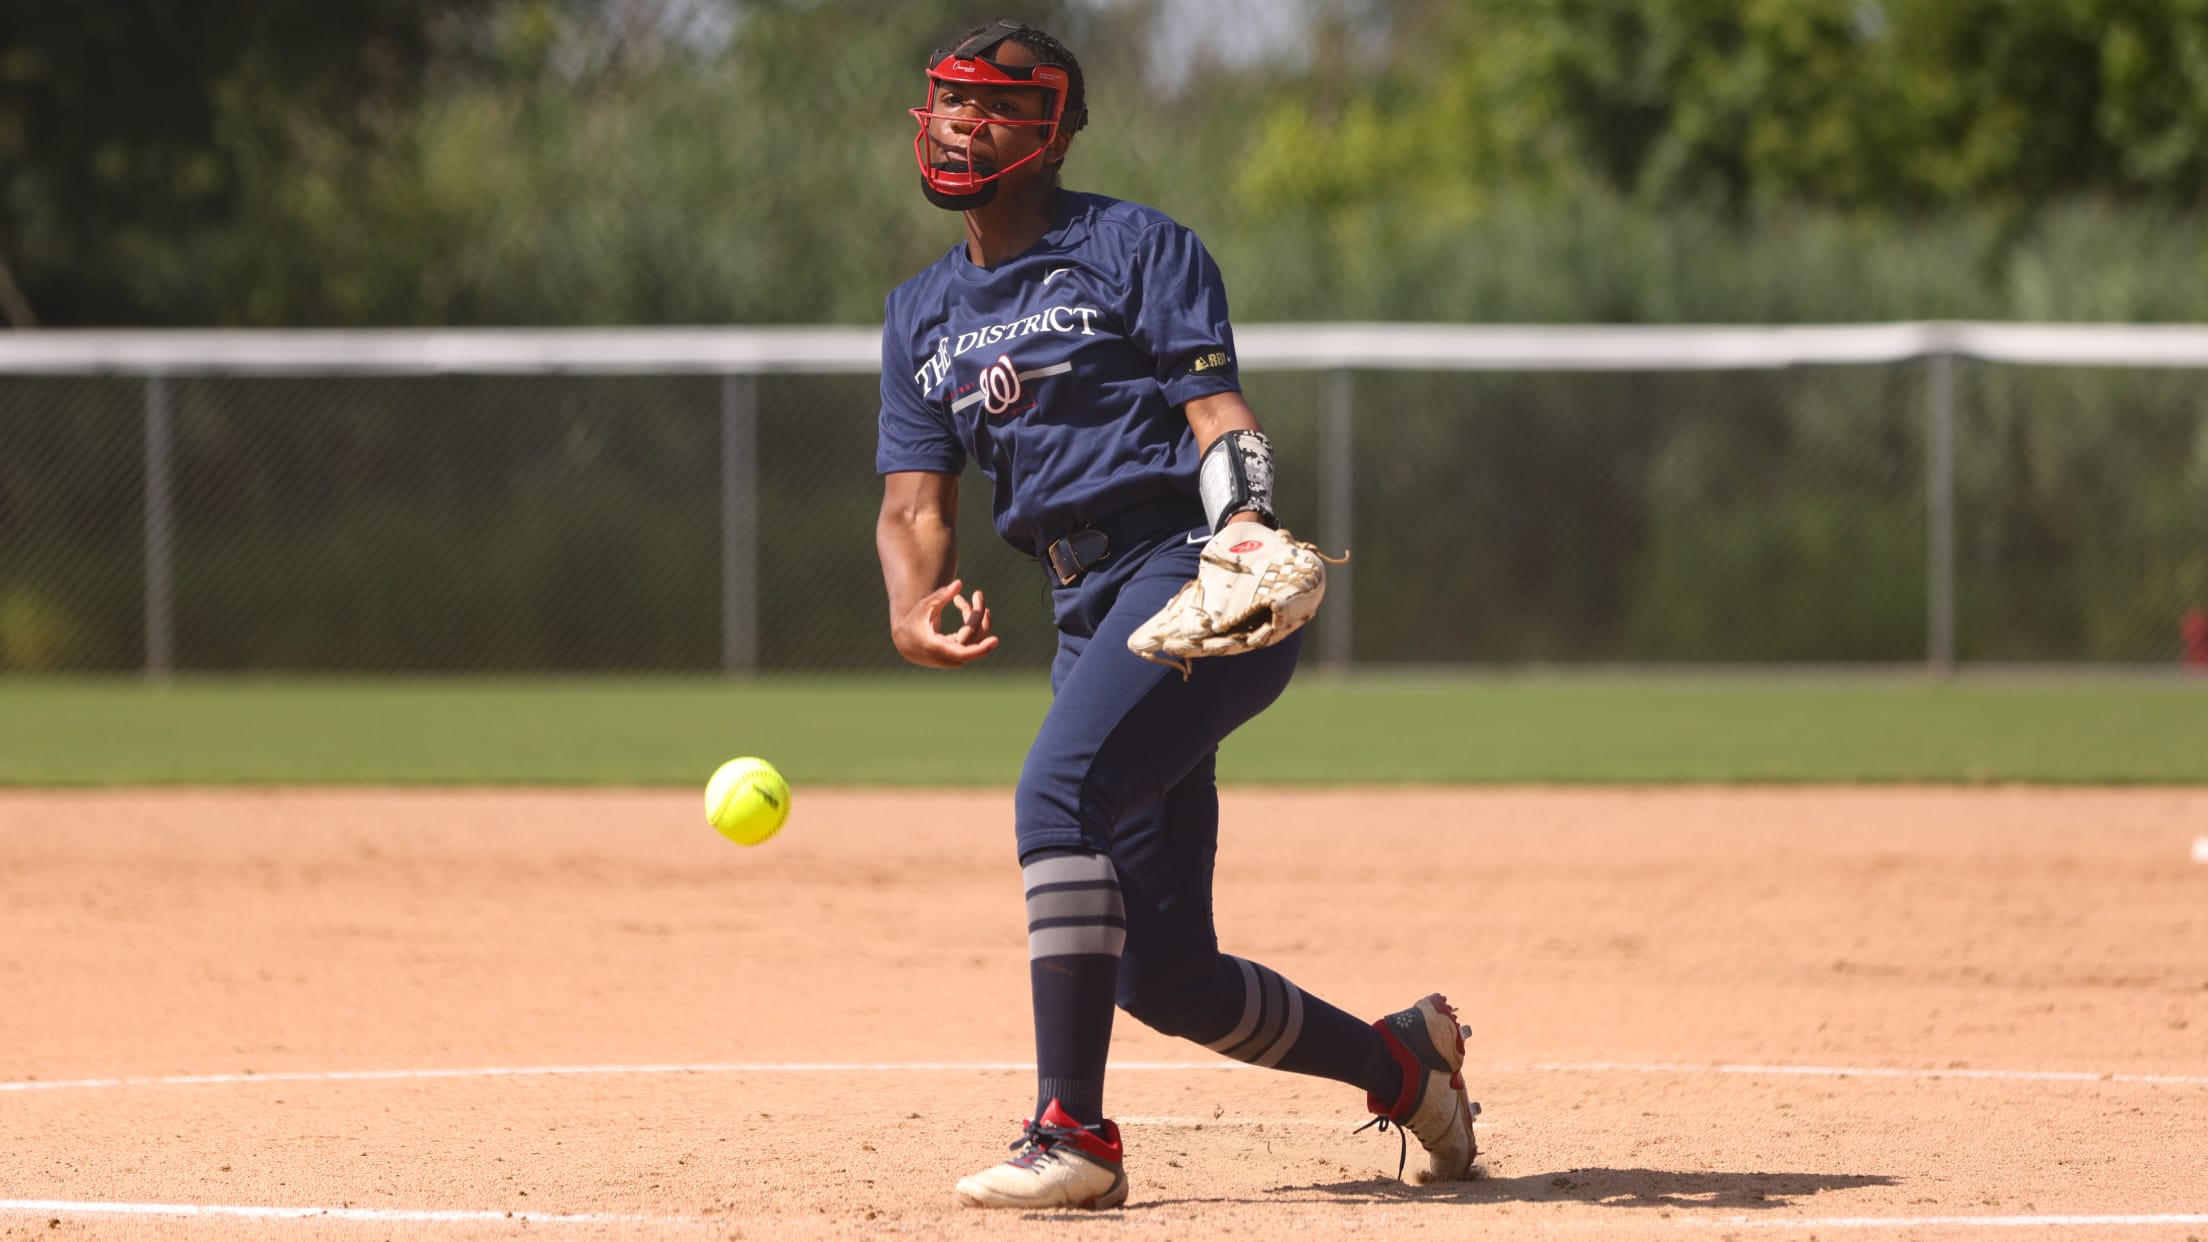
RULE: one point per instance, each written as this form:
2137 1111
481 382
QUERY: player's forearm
1212 417
919 552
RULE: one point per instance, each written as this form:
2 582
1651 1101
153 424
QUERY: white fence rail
1341 350
1263 347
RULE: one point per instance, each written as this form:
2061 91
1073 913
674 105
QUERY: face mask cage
946 158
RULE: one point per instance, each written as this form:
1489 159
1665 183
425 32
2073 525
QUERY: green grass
974 730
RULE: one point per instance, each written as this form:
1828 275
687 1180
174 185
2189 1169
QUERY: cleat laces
1403 1142
1036 1140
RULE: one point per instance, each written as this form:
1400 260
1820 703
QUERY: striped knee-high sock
1279 1025
1076 926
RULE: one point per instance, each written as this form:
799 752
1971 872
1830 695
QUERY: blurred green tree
640 161
130 128
1897 103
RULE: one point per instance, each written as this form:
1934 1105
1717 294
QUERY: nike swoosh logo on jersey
1055 273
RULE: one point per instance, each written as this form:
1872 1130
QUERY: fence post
160 578
1939 469
739 523
1337 497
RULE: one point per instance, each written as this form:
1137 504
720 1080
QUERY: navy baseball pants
1124 759
1118 828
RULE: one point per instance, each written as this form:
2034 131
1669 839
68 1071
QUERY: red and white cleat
1060 1164
1428 1043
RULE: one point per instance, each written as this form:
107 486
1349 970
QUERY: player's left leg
1173 978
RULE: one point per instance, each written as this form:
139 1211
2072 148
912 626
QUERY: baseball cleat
1428 1044
1061 1164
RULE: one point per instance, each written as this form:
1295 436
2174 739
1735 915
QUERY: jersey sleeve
912 435
1180 319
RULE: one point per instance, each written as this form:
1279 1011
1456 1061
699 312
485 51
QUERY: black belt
1071 555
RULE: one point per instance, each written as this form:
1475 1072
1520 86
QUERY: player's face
983 127
960 131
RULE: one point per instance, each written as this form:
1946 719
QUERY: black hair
983 39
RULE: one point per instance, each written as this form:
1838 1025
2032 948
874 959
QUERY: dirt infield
1697 1014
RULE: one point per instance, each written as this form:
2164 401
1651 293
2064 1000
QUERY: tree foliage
138 132
607 161
1893 103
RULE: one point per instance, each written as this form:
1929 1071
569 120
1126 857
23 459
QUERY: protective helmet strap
987 40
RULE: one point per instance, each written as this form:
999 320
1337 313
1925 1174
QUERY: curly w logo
999 385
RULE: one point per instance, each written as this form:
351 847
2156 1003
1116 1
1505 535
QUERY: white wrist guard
1235 475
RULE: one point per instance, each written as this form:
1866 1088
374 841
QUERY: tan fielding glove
1255 586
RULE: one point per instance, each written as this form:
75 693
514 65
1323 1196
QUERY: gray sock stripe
1273 1013
1089 938
1250 998
1069 869
1089 931
1092 904
1289 1031
1074 907
1075 886
1272 1018
1084 919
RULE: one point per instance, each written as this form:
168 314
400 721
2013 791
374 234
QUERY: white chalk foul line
533 1071
69 1207
965 1067
1860 1071
1929 1222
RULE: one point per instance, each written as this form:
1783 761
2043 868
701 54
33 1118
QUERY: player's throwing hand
919 634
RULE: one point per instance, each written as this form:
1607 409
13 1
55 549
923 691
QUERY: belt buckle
1061 556
1065 556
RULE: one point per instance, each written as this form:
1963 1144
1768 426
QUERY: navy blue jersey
1061 372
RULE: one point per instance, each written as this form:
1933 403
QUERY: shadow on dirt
1643 1188
1625 1188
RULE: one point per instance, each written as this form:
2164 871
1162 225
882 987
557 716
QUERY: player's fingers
970 641
950 650
935 600
977 615
941 651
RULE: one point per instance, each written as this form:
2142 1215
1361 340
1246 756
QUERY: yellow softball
747 801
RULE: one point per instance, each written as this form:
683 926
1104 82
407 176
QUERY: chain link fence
1920 510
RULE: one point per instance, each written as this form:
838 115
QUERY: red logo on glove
1247 545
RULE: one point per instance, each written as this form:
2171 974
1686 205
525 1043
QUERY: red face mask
949 174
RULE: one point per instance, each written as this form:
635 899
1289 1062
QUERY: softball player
1078 348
